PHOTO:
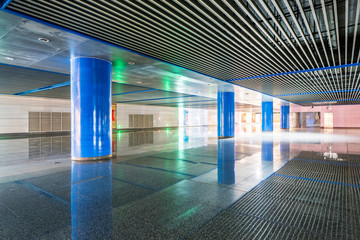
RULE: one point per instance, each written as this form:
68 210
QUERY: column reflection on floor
267 149
226 161
284 151
91 200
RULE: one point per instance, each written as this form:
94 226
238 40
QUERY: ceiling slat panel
229 39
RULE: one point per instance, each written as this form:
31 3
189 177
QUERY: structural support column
226 114
90 108
267 116
284 116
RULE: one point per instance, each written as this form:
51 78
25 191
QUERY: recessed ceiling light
43 39
9 58
139 82
131 63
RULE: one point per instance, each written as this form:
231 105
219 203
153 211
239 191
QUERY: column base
91 158
224 137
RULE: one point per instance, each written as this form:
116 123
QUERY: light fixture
139 82
322 103
131 63
9 58
43 39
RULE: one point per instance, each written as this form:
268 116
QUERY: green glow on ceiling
118 68
166 83
119 64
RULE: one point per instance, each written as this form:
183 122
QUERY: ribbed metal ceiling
230 40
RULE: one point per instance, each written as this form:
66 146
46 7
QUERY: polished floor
311 197
184 184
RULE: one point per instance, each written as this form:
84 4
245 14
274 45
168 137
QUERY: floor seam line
160 169
136 184
42 192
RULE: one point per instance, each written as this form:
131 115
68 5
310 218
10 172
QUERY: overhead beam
4 3
296 72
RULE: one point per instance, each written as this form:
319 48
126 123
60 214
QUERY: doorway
328 120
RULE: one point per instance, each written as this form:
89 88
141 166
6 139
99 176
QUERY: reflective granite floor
179 183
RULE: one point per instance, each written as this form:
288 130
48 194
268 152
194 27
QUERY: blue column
90 108
284 116
226 114
91 200
267 116
226 161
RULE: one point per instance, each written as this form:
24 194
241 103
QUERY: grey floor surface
169 188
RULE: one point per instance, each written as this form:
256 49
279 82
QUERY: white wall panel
345 116
212 117
163 116
14 111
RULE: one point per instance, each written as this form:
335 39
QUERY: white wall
195 117
14 111
212 117
163 116
345 116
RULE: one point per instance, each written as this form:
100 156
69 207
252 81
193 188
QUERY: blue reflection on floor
161 184
226 161
91 200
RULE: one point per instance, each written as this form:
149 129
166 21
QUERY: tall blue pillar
267 116
284 116
90 108
226 161
226 114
